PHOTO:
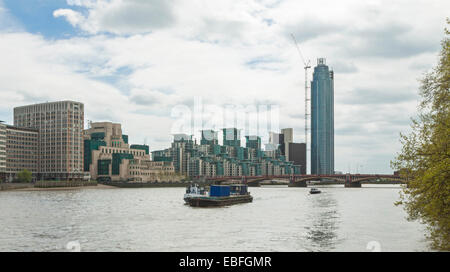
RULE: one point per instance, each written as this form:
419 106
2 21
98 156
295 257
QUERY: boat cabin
239 189
227 190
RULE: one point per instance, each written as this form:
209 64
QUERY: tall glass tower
322 120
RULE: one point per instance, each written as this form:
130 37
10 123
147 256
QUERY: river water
156 219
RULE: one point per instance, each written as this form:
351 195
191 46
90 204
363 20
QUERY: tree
24 176
424 160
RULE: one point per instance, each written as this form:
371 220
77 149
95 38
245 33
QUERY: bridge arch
396 179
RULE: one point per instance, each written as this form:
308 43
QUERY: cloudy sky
132 61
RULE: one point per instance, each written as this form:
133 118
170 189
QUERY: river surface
156 219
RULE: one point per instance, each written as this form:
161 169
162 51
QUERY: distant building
181 152
146 148
60 126
2 151
109 157
22 151
231 137
253 142
322 119
209 159
280 141
282 145
297 155
286 137
209 137
18 151
275 139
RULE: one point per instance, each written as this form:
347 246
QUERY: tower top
321 61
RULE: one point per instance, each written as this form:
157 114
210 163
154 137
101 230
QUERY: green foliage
425 157
24 176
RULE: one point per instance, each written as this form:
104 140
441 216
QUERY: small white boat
314 191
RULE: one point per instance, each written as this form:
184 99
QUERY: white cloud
7 22
73 17
119 16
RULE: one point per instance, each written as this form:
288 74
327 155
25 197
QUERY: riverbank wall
15 186
47 184
64 183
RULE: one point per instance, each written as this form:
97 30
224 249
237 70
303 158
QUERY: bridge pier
353 184
301 183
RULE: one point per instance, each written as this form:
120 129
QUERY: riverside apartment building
60 141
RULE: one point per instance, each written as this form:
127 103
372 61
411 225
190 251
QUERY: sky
134 61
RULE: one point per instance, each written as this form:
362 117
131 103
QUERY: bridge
349 180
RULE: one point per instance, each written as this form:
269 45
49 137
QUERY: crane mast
306 67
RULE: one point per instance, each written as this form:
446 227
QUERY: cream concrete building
109 157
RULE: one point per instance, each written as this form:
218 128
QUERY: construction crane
307 65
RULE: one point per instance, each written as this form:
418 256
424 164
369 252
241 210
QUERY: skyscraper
287 136
60 126
322 119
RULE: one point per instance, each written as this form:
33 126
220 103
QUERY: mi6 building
109 157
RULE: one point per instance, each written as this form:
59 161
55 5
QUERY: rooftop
54 102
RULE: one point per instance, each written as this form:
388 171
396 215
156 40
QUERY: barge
222 195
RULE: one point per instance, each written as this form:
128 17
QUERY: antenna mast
306 67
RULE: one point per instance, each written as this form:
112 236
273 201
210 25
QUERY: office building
322 119
22 151
181 151
253 142
2 151
231 137
18 152
286 137
275 139
60 126
209 137
297 155
282 145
